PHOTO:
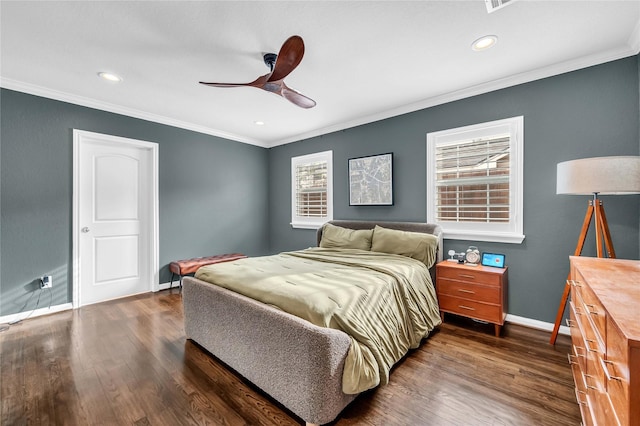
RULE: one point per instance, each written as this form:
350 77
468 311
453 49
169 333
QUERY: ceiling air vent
493 5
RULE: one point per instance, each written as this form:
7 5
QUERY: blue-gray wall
220 196
586 113
212 193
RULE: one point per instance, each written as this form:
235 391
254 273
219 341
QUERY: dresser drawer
616 368
591 340
577 339
478 293
599 403
594 310
471 309
471 275
601 409
581 391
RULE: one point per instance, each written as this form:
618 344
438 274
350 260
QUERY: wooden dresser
478 292
605 333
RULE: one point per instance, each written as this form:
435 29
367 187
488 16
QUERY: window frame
511 232
305 222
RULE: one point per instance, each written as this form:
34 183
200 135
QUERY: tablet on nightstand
493 259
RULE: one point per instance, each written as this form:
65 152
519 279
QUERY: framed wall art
371 180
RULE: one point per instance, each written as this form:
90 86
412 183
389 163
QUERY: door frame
152 220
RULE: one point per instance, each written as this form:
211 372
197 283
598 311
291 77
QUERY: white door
115 195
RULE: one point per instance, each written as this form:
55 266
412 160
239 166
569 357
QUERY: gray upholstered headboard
425 228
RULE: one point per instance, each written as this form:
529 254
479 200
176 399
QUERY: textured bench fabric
189 266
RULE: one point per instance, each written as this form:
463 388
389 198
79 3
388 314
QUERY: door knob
84 230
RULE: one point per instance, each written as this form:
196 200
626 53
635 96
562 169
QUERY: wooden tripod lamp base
603 235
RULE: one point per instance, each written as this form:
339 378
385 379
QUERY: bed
297 363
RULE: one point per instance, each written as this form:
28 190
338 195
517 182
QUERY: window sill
302 225
492 237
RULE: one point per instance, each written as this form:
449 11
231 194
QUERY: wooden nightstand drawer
475 274
479 293
471 309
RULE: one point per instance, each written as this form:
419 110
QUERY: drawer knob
570 358
461 290
473 277
569 322
574 283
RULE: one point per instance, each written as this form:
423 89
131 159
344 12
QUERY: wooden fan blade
258 82
289 57
296 97
224 84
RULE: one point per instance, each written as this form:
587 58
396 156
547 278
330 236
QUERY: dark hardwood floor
126 362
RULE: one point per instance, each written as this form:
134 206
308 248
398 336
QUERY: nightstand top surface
481 268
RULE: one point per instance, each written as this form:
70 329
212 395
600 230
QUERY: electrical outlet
46 281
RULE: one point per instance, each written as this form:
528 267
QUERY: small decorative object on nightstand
477 292
472 256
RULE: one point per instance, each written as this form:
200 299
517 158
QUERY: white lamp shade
602 175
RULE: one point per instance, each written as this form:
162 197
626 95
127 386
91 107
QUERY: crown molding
632 48
514 80
634 38
44 92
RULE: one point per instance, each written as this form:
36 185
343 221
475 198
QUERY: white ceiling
364 60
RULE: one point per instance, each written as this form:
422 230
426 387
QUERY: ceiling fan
281 66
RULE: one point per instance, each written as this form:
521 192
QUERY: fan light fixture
484 43
110 76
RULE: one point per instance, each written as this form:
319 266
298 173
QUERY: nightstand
478 292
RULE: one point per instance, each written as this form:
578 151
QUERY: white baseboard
527 322
59 308
539 325
37 313
165 286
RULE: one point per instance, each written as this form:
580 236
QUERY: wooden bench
189 266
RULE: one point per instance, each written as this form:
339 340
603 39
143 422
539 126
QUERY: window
311 190
474 181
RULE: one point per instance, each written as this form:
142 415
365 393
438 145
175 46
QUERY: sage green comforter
386 303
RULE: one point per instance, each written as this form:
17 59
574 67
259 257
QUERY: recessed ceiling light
484 43
259 123
110 76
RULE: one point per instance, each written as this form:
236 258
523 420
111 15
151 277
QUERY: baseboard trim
60 308
165 286
539 325
37 313
515 319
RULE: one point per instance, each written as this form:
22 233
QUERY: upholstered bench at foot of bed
189 266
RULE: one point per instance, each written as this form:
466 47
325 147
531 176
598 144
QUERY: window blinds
472 180
311 189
